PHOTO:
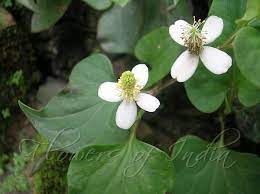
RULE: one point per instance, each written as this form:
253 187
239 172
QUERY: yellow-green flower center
193 37
128 84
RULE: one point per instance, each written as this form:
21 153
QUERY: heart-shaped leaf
209 168
160 51
135 167
207 91
120 27
99 4
247 53
46 12
77 116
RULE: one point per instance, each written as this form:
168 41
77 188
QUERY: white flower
195 39
128 90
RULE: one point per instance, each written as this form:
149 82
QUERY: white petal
147 102
126 114
184 66
215 60
108 91
177 29
212 29
141 74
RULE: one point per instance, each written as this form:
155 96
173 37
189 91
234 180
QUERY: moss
51 178
18 70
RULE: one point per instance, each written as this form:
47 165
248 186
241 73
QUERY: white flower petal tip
212 29
141 74
148 102
109 91
184 66
215 60
176 31
126 115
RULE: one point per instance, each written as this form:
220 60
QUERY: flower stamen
128 84
193 38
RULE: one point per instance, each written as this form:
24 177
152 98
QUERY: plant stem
155 91
171 7
222 128
135 126
227 43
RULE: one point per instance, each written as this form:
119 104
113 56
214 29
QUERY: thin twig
227 43
171 7
156 90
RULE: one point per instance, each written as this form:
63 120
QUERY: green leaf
181 9
120 27
248 94
99 4
176 2
6 19
252 11
255 23
207 91
160 51
30 4
121 2
77 116
135 167
247 54
208 168
49 12
229 11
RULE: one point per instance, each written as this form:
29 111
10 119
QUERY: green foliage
78 121
3 159
130 168
75 115
248 94
247 53
52 175
6 113
252 11
46 12
121 2
17 181
229 11
99 4
7 3
17 61
158 50
16 79
120 28
211 168
207 91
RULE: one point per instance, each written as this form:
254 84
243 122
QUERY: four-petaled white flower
128 90
194 38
